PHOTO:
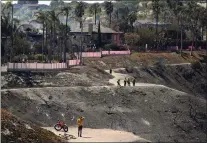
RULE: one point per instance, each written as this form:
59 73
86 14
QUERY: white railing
73 62
102 53
36 66
90 54
128 52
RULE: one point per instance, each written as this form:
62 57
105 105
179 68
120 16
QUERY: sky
48 2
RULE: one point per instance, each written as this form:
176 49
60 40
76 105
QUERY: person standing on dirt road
128 81
125 81
80 126
134 81
110 71
118 82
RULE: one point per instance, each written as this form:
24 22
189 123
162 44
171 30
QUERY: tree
79 11
43 18
7 25
54 19
156 10
56 3
95 9
108 6
131 39
66 11
99 34
132 17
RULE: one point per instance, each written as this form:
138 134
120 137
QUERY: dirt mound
13 129
153 113
77 76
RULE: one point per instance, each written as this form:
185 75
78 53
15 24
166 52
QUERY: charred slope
188 78
156 114
13 129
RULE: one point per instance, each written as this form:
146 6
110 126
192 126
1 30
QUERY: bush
196 66
129 69
131 39
40 57
111 47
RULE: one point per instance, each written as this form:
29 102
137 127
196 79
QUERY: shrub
39 57
196 66
131 39
111 47
129 69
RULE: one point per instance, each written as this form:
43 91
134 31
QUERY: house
90 32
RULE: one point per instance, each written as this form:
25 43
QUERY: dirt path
123 76
99 135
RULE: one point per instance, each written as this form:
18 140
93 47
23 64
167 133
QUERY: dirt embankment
13 129
187 78
76 76
155 114
144 59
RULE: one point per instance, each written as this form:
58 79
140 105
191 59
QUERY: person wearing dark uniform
128 81
118 82
110 71
125 81
134 81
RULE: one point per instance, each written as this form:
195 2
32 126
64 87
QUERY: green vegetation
187 18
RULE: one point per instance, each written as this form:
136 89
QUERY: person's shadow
86 137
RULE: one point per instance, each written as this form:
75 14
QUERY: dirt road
123 76
99 135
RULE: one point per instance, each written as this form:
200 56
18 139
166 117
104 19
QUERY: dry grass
137 59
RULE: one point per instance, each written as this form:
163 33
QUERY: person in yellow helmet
80 125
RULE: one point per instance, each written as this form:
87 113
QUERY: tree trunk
191 51
95 16
157 18
50 48
43 40
12 38
177 33
181 41
66 35
110 20
81 47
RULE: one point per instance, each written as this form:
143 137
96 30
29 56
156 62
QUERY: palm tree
109 9
132 17
79 11
65 11
95 9
42 18
156 9
53 17
7 21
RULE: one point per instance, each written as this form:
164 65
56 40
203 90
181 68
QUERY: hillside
153 113
13 129
143 59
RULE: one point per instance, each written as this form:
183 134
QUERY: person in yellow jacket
80 125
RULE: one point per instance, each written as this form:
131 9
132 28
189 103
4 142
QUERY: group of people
127 81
